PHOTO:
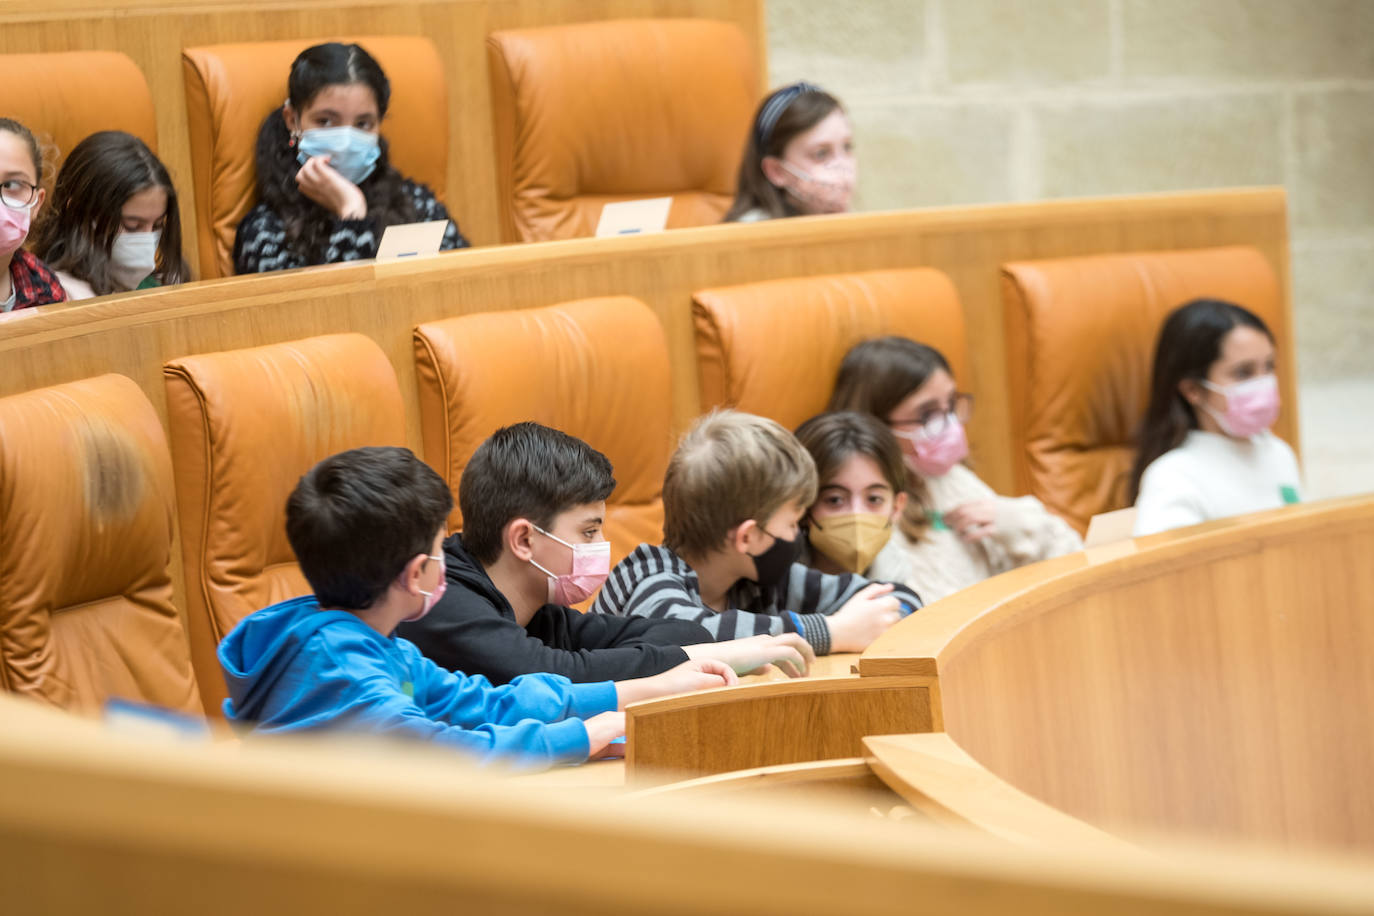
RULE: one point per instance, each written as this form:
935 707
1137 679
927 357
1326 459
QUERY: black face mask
771 566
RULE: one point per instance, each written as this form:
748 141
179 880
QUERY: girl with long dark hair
799 158
112 224
1205 447
952 530
326 186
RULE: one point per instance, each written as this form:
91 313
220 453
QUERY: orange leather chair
245 425
230 90
773 348
86 610
596 369
598 112
65 96
1080 338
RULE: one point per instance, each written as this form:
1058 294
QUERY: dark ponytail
307 224
1189 343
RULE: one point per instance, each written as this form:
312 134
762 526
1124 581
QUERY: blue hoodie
294 667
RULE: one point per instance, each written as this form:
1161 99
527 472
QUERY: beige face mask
851 540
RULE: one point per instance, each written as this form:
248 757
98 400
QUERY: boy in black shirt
533 502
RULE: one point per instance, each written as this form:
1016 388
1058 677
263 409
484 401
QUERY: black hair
1189 343
79 226
307 224
526 471
357 518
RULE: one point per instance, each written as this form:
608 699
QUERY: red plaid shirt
34 284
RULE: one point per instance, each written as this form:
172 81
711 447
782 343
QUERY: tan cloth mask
851 540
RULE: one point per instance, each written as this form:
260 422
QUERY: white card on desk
1110 527
412 240
634 217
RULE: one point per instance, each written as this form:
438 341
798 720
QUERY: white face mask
133 256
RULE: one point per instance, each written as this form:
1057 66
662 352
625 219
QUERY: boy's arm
810 591
359 691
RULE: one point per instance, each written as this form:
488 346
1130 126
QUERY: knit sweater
939 563
1214 476
260 244
655 582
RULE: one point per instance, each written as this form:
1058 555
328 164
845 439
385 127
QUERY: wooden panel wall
1215 681
153 32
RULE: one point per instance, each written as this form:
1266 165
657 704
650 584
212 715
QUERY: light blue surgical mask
353 153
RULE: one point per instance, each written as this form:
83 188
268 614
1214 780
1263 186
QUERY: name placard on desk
412 240
634 217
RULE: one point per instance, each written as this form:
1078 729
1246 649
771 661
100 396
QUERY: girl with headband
799 159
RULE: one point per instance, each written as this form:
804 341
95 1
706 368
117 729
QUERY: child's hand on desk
692 675
792 654
604 729
863 618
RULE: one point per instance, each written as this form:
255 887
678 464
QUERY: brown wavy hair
834 437
79 226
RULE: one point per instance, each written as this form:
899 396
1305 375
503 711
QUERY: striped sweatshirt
655 582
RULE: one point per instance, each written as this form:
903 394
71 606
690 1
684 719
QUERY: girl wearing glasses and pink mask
949 529
24 280
1205 447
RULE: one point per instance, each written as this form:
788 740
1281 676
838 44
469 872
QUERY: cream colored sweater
939 563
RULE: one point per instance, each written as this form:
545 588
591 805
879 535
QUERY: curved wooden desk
1214 681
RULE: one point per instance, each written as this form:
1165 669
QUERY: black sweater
473 630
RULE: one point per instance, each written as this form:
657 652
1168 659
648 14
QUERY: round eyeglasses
18 194
932 422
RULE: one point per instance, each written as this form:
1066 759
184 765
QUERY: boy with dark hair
534 502
734 495
367 526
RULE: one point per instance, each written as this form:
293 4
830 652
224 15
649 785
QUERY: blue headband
773 108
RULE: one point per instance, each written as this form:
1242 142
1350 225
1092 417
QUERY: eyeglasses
933 421
18 194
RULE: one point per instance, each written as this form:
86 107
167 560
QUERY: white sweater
939 563
1214 476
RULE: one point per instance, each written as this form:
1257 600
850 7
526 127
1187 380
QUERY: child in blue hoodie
367 527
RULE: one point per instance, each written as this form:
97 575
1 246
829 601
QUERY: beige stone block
1192 40
922 155
1128 145
855 50
1333 310
1333 181
1015 41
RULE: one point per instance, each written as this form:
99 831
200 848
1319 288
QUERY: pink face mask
432 598
591 565
824 188
933 456
1252 406
14 228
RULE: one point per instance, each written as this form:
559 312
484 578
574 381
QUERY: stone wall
973 101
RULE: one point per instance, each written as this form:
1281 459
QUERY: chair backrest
230 90
1080 339
245 425
86 610
773 348
65 96
596 369
598 112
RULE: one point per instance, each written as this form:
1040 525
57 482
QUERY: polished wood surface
153 33
96 821
754 725
941 781
841 663
1213 681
